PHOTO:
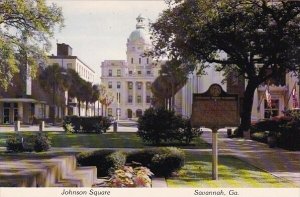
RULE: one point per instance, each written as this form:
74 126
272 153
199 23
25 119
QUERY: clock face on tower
215 90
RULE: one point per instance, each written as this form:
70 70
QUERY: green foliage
160 125
18 143
161 161
285 129
25 29
235 36
68 128
105 160
97 124
14 144
41 142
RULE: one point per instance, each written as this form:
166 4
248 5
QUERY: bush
97 124
41 143
28 143
126 176
14 144
161 161
68 128
161 125
105 160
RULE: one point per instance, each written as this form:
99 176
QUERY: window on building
140 60
130 85
139 86
148 99
273 110
139 72
109 111
139 99
129 98
148 72
148 85
118 84
130 72
118 97
110 84
69 65
109 72
147 60
132 60
119 73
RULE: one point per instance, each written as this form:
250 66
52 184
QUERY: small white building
130 81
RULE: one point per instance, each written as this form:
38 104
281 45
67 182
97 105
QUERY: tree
52 81
172 78
25 29
95 96
106 98
86 93
260 39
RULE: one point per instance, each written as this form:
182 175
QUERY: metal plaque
215 109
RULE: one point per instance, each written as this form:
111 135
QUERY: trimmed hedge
106 161
161 161
96 124
159 125
39 143
286 130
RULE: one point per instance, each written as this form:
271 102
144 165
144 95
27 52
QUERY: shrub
97 124
171 160
105 160
161 161
126 176
68 128
14 144
161 125
41 143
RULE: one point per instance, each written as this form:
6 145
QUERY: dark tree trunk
102 109
247 108
98 108
86 107
94 108
79 107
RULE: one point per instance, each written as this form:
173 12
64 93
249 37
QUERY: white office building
130 80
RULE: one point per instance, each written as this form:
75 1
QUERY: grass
106 140
232 173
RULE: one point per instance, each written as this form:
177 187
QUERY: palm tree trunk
86 107
79 107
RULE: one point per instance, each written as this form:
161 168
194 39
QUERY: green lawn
106 140
232 173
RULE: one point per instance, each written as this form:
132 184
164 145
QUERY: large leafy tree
260 39
25 29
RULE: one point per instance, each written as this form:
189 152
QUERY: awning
20 100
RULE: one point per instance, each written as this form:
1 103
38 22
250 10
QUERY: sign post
215 109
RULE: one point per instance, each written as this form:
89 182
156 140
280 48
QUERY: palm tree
51 80
171 79
95 96
102 96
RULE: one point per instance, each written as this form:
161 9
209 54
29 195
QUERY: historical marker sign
215 108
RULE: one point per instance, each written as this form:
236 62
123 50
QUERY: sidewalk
281 163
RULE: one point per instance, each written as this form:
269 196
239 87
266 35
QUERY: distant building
66 59
130 81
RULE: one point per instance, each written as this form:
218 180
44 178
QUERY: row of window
130 85
139 72
84 73
130 98
140 60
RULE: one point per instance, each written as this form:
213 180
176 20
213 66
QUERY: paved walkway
281 163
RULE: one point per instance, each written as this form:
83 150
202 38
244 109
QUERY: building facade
67 60
270 99
130 80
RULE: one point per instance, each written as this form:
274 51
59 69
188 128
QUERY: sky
98 30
